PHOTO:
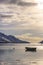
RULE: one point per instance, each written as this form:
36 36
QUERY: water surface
19 56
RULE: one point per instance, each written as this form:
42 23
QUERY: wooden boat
32 49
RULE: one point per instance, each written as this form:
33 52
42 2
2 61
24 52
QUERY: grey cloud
20 32
6 16
35 33
21 3
18 2
13 1
27 4
9 1
4 1
13 24
14 32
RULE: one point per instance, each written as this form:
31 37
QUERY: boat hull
30 49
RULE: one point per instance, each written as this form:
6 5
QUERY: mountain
10 39
41 42
3 38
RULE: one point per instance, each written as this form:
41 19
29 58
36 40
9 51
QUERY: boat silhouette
31 49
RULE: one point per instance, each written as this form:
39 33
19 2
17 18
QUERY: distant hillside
10 39
41 42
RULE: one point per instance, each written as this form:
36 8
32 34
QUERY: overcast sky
18 17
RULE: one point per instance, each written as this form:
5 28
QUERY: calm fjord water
18 56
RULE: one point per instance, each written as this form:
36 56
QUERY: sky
22 17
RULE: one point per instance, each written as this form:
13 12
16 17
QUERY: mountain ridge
10 39
41 42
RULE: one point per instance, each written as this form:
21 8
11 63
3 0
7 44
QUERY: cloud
26 4
4 1
14 1
18 2
23 27
23 21
9 1
22 3
28 37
